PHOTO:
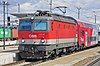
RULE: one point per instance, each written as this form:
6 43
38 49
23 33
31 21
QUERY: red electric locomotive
45 35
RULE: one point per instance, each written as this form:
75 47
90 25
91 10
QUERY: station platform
8 55
12 48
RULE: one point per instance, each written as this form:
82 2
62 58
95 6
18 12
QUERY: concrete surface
6 58
8 55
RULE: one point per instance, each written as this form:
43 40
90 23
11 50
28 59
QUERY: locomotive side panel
62 32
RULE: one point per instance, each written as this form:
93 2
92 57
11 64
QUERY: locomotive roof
49 16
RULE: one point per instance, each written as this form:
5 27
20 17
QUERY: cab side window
52 26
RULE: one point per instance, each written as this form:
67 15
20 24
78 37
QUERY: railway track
87 61
94 62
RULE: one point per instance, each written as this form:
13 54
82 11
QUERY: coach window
93 38
82 33
99 33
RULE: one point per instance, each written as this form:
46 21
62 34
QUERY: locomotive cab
32 37
36 29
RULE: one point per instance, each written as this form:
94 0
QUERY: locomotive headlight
23 41
32 48
32 17
42 40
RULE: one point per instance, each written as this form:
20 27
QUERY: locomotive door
86 39
57 34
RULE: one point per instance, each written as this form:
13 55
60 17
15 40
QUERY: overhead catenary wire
84 12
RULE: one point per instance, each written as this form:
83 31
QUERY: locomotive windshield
40 26
25 25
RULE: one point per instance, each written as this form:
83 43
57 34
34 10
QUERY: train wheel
65 51
18 57
53 55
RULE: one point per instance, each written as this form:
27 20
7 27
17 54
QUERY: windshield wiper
39 22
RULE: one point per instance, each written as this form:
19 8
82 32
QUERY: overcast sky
87 7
